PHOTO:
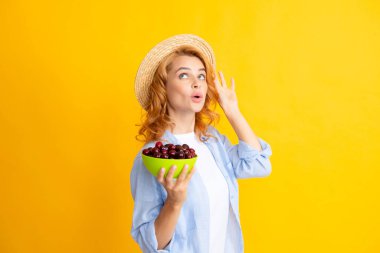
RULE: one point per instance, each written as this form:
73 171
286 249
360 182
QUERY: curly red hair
157 119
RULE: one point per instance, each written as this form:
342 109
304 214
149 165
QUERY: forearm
165 224
242 129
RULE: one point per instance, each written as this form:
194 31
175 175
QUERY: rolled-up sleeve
148 201
248 161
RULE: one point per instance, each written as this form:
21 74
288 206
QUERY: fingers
169 176
189 176
183 174
217 84
166 180
160 176
223 81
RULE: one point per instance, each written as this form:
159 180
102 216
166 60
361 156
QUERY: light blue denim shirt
192 230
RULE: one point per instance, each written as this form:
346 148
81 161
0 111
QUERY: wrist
232 112
173 205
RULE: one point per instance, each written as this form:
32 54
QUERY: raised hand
227 96
228 102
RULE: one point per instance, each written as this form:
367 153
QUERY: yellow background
307 76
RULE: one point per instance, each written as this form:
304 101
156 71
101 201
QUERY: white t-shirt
217 190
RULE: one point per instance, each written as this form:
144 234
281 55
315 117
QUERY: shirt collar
169 137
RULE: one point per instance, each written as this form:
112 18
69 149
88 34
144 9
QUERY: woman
177 86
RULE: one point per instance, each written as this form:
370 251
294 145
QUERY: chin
198 109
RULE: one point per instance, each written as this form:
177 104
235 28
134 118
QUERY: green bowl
155 164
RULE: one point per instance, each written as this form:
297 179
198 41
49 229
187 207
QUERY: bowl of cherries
164 156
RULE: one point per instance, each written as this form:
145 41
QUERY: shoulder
213 131
216 136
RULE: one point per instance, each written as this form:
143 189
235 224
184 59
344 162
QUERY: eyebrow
185 68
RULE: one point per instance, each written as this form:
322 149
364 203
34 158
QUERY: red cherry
172 153
158 144
146 151
180 155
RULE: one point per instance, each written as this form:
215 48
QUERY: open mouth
196 98
197 95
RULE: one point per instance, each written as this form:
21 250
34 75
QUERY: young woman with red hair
178 87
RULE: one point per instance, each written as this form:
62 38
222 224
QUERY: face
186 86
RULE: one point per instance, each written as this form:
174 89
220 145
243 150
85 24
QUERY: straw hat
152 60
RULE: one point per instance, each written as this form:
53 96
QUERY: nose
196 84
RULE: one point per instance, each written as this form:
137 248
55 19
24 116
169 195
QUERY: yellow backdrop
308 80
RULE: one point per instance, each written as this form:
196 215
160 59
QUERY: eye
183 75
202 77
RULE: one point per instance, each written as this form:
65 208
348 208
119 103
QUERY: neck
184 122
